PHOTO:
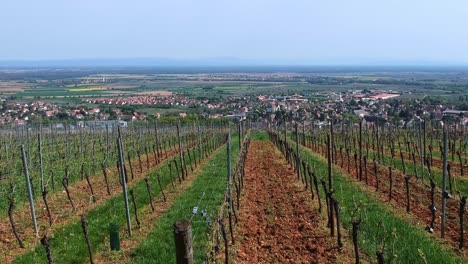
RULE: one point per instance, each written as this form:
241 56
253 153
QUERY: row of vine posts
321 141
223 227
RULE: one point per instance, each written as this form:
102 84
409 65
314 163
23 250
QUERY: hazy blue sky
293 31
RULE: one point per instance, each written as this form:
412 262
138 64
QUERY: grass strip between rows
159 246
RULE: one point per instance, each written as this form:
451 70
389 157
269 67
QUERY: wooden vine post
11 208
183 242
45 241
355 233
84 226
148 189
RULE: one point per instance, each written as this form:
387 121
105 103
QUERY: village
370 105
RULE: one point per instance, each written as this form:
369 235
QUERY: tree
62 115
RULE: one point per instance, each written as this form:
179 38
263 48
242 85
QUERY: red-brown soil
277 223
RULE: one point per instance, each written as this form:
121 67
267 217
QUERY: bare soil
277 223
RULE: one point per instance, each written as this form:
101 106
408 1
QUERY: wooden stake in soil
139 162
310 182
355 233
177 170
329 208
131 166
147 159
84 226
135 209
104 172
407 179
65 186
450 178
90 186
183 242
402 158
170 175
148 188
380 257
338 227
317 191
11 207
44 198
226 242
160 186
45 242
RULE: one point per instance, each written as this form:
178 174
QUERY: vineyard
225 192
401 193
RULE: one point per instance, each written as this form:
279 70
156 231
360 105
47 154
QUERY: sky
263 31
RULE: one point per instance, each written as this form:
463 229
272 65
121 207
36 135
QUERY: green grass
259 136
68 244
405 242
159 245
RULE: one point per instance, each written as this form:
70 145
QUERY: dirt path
277 223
